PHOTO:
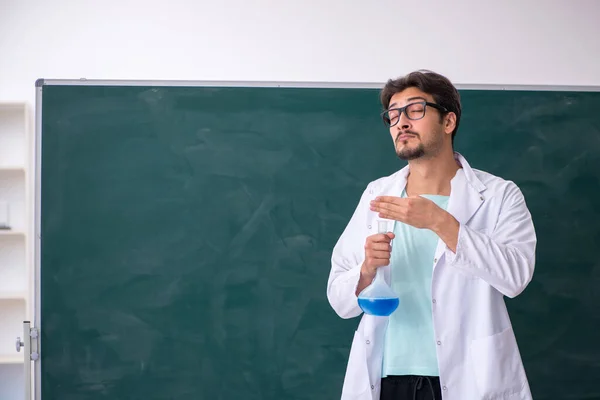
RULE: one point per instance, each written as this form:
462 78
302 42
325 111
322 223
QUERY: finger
378 262
383 206
395 216
388 199
374 254
379 237
384 238
381 246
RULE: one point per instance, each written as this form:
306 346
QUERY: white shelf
13 295
13 274
13 140
12 382
18 168
10 232
17 358
11 321
12 192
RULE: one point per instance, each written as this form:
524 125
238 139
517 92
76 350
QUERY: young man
459 240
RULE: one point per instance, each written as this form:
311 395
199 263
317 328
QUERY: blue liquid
379 307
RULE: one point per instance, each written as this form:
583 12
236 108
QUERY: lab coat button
434 260
445 388
439 343
368 342
433 301
373 387
369 226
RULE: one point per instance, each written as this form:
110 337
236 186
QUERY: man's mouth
405 136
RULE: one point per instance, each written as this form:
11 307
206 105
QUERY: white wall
545 42
508 42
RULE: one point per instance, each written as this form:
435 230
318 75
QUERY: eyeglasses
413 111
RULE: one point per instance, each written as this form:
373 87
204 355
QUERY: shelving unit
16 243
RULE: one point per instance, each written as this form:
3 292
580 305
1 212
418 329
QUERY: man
459 240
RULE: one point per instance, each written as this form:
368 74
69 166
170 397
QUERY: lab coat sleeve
346 261
504 257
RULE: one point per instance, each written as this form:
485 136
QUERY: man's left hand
416 211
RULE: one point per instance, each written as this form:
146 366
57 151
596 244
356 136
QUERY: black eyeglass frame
401 110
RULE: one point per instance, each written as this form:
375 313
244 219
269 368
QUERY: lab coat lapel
464 200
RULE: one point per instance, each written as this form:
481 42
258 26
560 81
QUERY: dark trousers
410 387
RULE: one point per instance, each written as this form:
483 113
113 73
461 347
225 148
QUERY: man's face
422 137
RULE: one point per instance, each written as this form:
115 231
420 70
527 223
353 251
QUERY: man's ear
449 123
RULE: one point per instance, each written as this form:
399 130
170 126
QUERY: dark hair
443 91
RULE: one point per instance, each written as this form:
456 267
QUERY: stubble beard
420 150
408 154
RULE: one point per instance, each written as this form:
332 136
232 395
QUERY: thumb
390 235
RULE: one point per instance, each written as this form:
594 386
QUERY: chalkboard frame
40 83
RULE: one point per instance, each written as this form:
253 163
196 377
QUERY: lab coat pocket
356 381
497 365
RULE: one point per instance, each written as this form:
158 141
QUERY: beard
407 154
420 150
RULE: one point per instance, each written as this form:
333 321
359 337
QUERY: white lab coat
477 353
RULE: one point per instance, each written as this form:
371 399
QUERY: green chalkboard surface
186 234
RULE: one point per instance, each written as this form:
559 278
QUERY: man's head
422 110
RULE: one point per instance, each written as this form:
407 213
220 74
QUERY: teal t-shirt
409 347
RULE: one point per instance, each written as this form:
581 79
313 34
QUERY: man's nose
403 122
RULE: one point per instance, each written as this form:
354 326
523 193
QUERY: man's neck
431 176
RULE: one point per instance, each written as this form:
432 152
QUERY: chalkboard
186 234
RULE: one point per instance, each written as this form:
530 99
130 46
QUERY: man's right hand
378 251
